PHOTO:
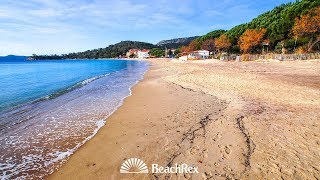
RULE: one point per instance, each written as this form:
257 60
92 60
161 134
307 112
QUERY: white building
183 58
142 54
200 54
132 53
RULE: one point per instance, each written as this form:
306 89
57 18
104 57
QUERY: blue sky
63 26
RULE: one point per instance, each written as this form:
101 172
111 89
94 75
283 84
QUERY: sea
49 108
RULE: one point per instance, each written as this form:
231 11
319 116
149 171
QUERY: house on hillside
144 53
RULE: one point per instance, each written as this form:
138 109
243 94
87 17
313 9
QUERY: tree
157 52
251 38
212 35
132 56
194 45
222 43
177 52
185 49
208 45
115 50
308 25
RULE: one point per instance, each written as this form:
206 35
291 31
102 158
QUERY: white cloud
112 14
42 13
32 25
75 25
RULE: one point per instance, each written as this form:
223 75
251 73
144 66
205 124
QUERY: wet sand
249 120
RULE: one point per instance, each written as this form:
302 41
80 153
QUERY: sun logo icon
133 165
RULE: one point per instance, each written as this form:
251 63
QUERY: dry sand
249 120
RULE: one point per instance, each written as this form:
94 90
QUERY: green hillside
111 51
278 23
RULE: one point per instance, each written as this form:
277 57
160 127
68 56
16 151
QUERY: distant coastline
13 58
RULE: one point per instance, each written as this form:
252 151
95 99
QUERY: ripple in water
46 133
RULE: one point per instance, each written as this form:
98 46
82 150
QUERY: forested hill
13 58
290 27
176 43
111 51
278 24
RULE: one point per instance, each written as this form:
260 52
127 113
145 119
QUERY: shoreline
234 111
63 133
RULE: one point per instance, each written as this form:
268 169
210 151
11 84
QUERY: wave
70 88
55 158
60 156
63 156
21 108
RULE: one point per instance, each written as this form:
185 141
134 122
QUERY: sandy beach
233 120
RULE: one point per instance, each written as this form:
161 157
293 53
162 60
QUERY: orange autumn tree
208 45
251 38
308 25
222 43
185 49
194 45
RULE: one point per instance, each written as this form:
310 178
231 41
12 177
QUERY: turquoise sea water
21 82
48 109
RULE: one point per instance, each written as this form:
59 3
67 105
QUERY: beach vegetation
212 35
250 39
292 24
194 45
222 43
133 56
177 52
308 25
157 52
112 51
289 28
209 45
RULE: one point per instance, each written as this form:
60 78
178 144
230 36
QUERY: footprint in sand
194 150
227 149
217 136
187 176
204 155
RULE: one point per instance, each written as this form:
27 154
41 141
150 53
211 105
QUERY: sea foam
57 127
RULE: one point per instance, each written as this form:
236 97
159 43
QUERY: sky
63 26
